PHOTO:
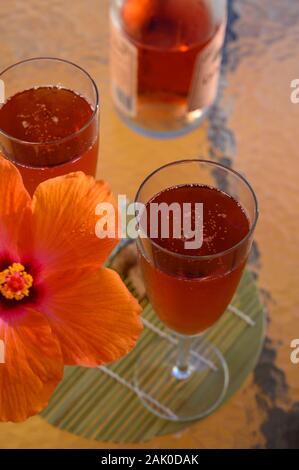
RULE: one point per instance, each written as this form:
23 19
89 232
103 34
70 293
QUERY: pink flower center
15 283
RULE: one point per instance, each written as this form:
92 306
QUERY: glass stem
182 370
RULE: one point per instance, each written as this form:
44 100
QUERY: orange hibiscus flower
58 304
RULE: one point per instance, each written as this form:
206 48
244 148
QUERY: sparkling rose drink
189 296
49 131
190 286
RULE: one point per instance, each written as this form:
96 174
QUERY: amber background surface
255 128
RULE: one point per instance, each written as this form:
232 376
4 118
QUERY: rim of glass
223 167
68 137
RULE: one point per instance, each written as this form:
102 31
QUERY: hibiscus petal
15 208
33 366
65 222
95 318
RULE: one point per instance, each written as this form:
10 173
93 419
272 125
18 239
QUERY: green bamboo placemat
101 403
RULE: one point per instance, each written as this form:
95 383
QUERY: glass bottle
165 62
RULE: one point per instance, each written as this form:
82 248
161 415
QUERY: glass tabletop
253 127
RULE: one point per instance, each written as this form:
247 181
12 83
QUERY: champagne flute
182 376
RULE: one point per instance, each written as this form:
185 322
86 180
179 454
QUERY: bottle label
124 68
206 74
2 92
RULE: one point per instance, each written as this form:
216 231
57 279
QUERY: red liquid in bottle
165 61
169 36
52 131
188 292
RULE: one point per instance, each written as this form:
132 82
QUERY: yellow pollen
15 283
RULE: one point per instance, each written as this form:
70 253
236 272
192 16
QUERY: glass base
166 130
177 394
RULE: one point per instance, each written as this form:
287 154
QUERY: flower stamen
15 282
